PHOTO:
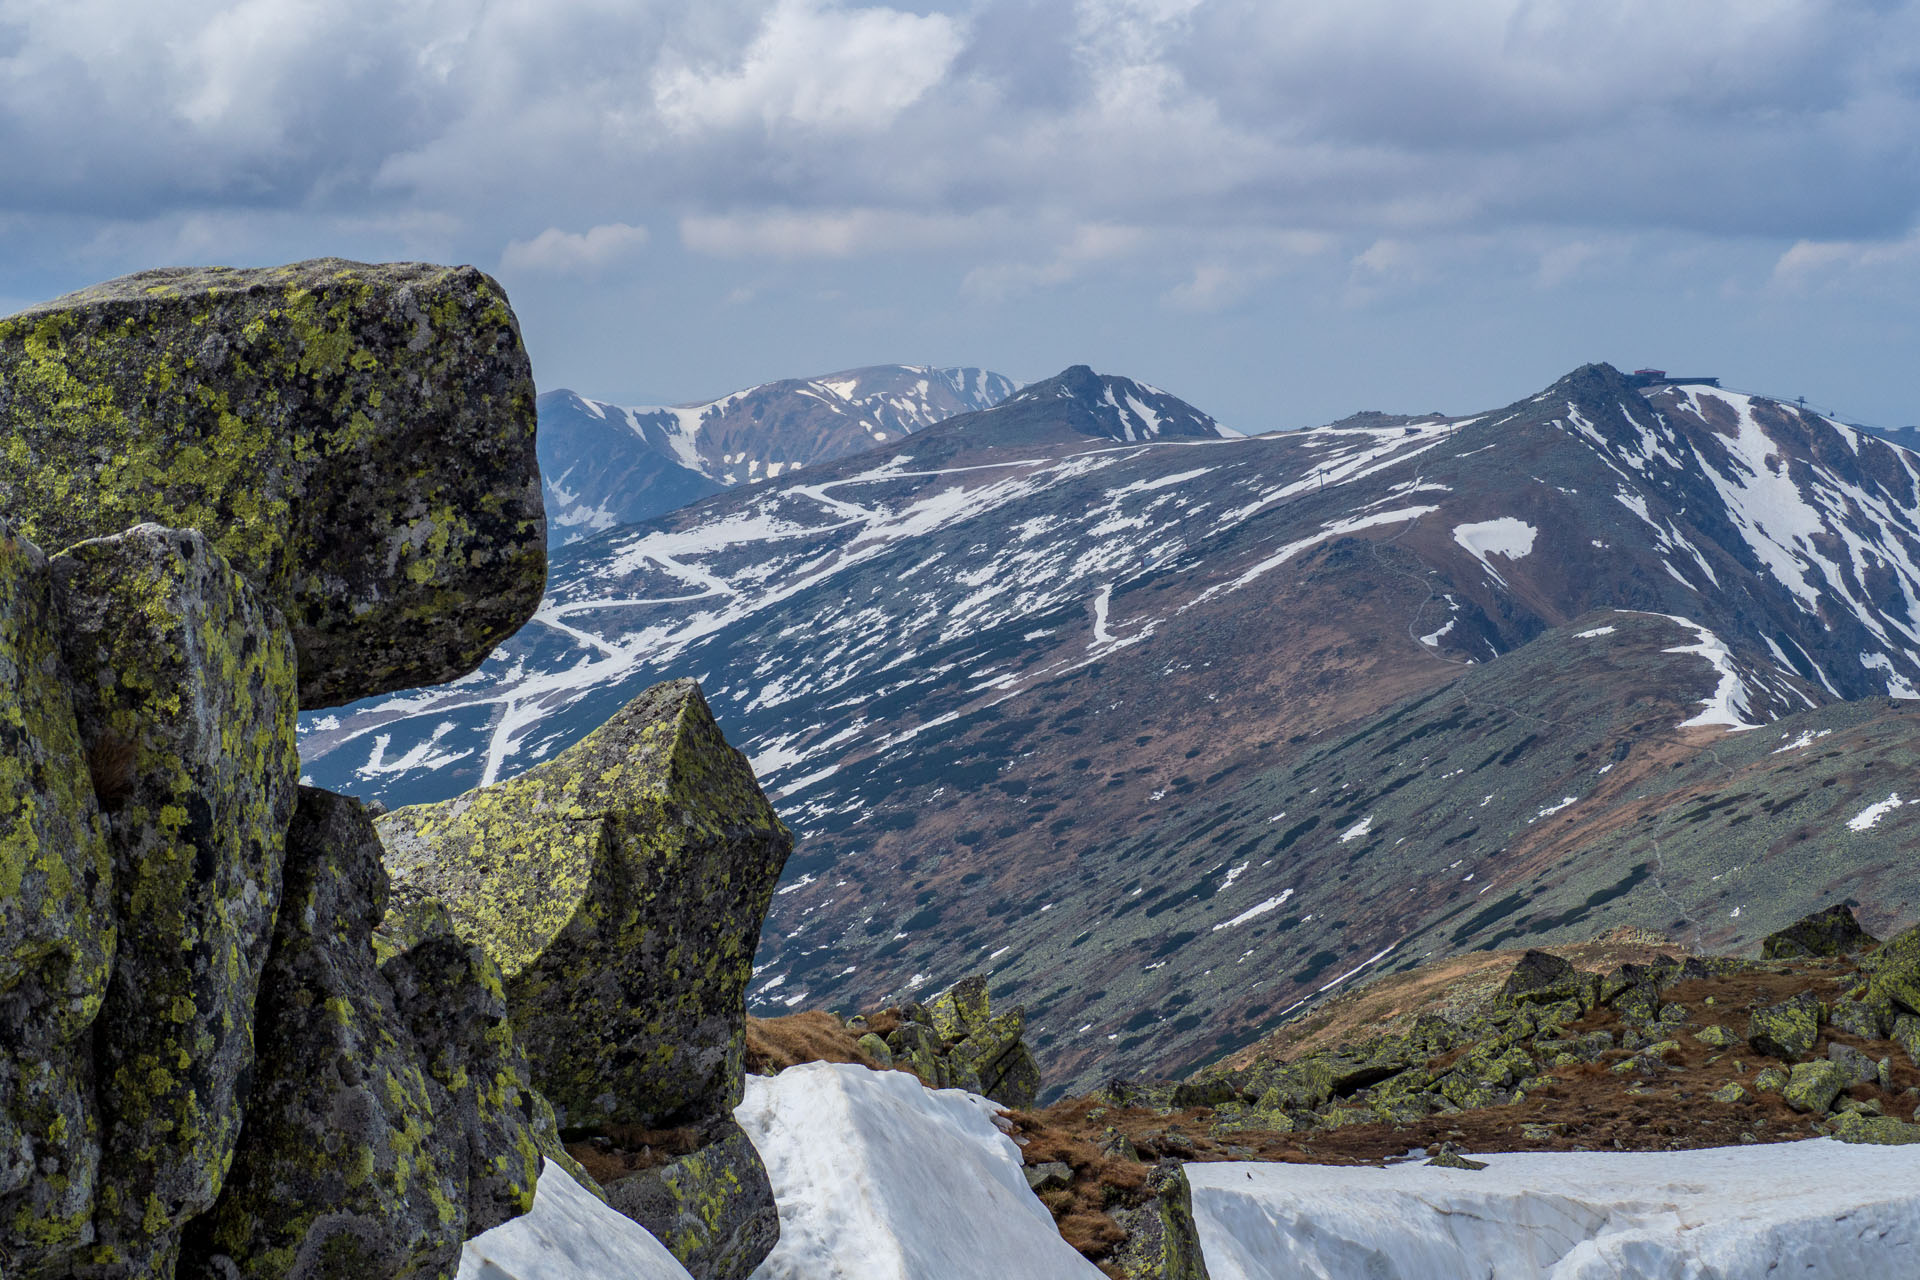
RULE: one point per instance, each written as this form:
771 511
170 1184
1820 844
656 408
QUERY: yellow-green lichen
620 888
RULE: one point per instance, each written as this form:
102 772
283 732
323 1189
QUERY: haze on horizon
1280 213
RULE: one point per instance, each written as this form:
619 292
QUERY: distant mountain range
1173 732
607 465
1905 437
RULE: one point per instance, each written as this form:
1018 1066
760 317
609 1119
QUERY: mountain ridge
605 464
987 672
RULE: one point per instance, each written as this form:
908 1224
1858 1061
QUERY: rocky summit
237 1044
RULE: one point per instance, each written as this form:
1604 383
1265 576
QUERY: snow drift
881 1178
1815 1210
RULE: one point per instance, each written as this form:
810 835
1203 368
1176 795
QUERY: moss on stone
174 657
57 935
713 1208
1786 1030
343 1158
620 888
357 440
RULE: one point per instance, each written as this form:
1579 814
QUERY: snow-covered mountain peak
607 464
1115 407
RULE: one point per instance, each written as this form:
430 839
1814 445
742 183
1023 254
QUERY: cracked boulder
56 929
713 1208
1162 1242
620 888
357 440
343 1165
183 688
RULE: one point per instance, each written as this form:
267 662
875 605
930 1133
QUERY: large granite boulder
357 440
183 689
1162 1242
713 1208
343 1167
1832 932
56 929
454 1003
620 888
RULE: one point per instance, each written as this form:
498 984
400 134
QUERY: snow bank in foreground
880 1178
1817 1210
568 1235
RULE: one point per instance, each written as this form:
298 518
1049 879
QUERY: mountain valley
1174 732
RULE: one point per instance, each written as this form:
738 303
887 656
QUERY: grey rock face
620 888
56 930
713 1208
358 440
1162 1242
183 675
343 1166
454 1003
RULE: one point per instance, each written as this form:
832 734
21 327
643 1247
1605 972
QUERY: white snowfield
568 1235
880 1178
1818 1210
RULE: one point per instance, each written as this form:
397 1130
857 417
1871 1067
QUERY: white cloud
827 233
1088 245
818 66
570 252
1811 261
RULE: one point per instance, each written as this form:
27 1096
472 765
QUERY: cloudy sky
1281 211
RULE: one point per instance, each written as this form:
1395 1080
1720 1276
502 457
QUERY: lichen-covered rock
1812 1086
1162 1242
343 1168
1786 1030
961 1009
713 1209
1540 977
876 1048
357 440
916 1047
1906 1033
1833 932
620 888
1731 1091
1896 970
1858 1126
454 1003
1859 1067
1715 1036
183 679
56 930
1870 1016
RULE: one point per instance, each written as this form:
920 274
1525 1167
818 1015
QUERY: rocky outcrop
391 1116
1161 1242
620 888
1833 932
357 440
342 1165
183 681
57 934
205 1066
954 1041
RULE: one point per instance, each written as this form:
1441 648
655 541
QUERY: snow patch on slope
1730 703
1504 536
878 1176
1820 1210
569 1234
